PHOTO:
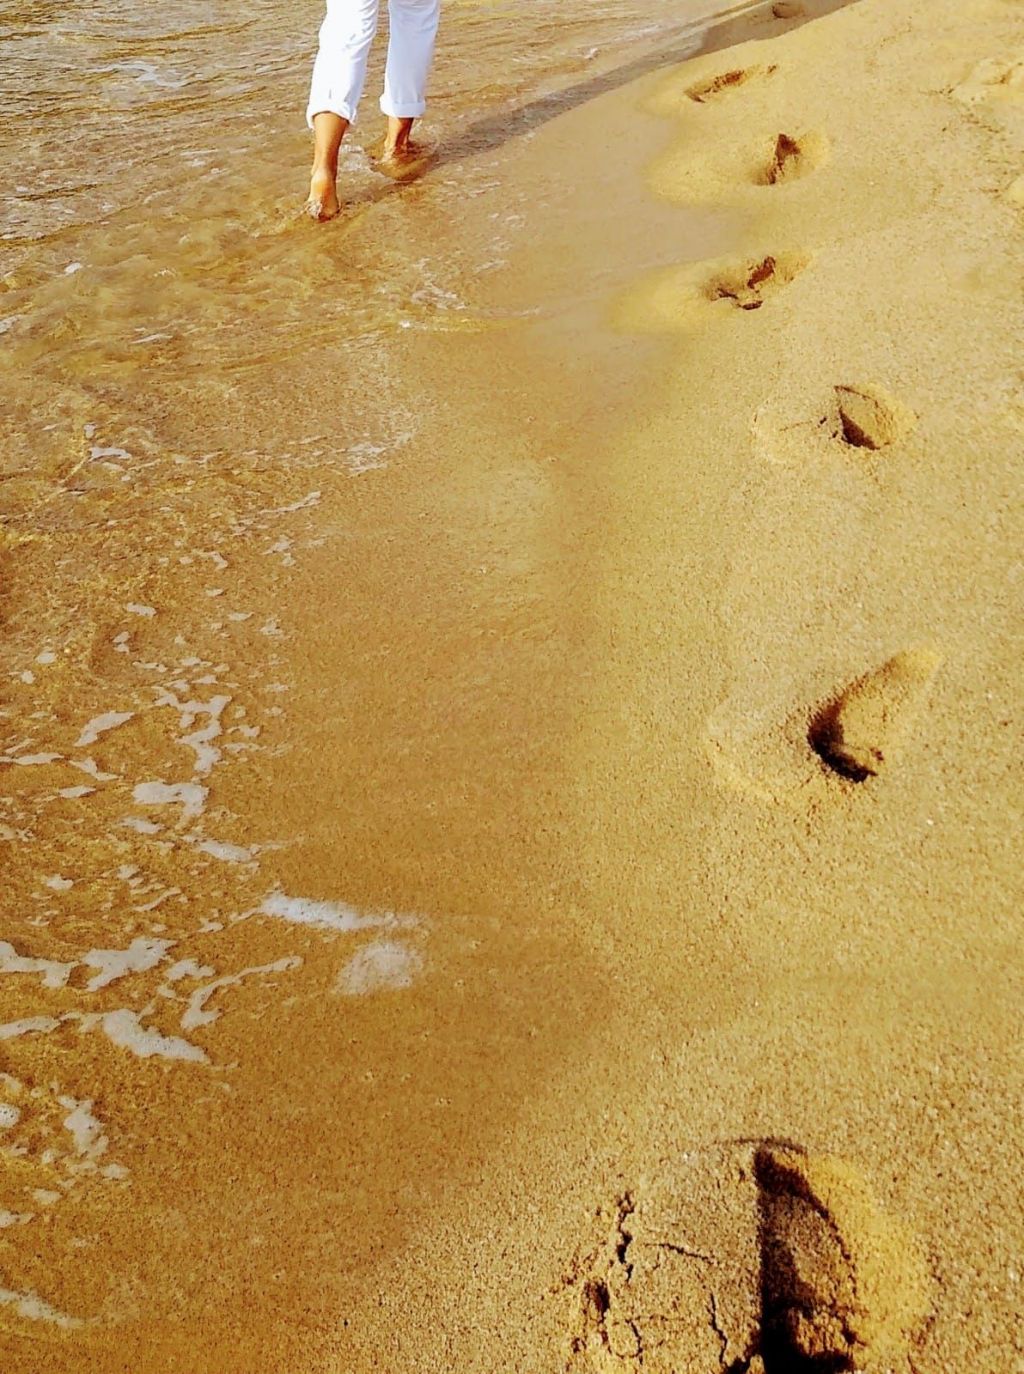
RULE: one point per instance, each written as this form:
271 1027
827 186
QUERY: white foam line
124 1029
304 504
99 725
160 898
140 825
207 755
227 853
187 968
140 956
307 911
86 1130
91 767
28 1025
31 1306
55 974
195 1014
380 965
190 795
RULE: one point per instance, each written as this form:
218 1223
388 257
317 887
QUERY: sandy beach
511 765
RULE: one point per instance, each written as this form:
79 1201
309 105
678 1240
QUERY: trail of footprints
860 731
748 284
843 1287
869 418
854 417
764 1259
838 1285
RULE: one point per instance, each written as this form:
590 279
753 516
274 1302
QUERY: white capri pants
346 35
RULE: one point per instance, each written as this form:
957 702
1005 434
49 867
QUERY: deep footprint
793 158
750 285
862 417
870 418
860 733
843 1288
724 82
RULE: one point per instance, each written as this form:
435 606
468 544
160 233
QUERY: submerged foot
398 155
394 158
396 150
322 203
403 161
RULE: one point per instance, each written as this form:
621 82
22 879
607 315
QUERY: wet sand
511 818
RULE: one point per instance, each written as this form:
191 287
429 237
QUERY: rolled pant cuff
398 111
340 109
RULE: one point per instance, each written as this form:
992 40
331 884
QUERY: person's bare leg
396 142
328 131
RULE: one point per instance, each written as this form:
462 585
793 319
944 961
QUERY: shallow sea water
192 374
154 167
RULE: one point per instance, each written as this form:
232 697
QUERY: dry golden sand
671 683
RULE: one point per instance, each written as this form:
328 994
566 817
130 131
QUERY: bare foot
323 196
393 161
403 161
397 147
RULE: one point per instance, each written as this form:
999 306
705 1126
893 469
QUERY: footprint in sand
855 735
748 285
724 82
677 298
691 172
870 418
860 415
996 81
792 158
750 1258
861 731
843 1287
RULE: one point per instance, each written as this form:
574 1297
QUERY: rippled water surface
154 158
115 104
257 475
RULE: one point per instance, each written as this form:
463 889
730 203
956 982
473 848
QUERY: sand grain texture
575 791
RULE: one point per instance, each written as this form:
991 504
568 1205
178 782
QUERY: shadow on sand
693 40
740 24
